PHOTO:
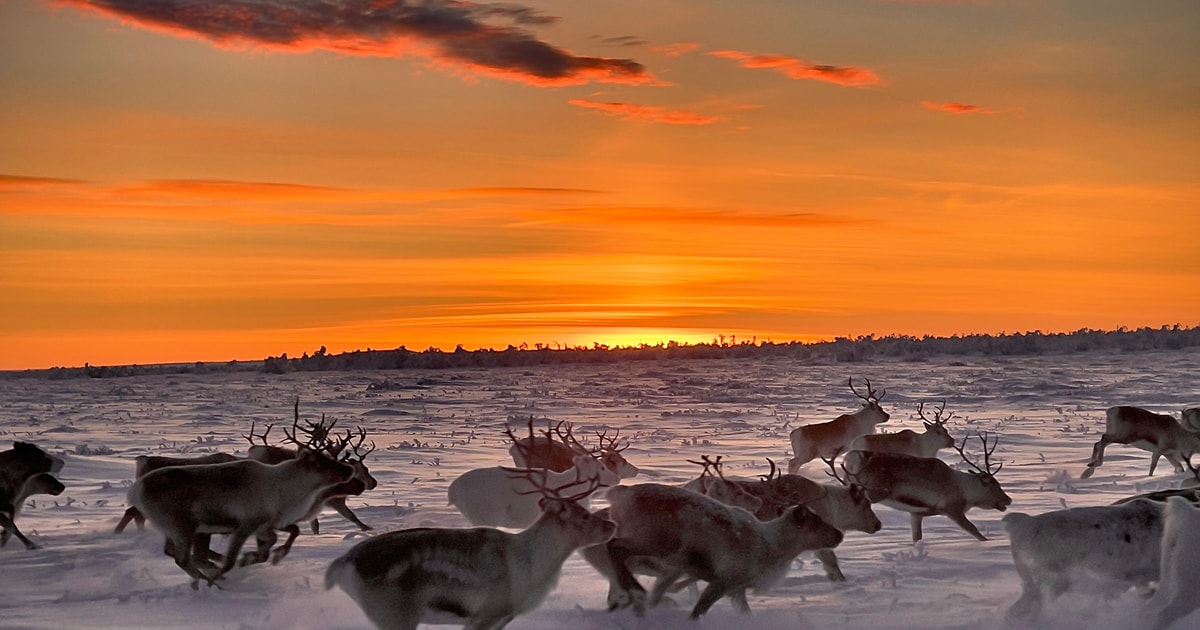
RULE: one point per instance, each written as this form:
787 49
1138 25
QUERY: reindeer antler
987 454
318 433
338 448
710 466
539 478
610 444
871 397
937 414
263 438
832 472
775 473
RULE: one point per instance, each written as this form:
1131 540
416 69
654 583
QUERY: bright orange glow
184 181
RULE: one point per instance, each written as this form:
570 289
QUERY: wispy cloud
243 202
25 182
629 111
620 40
677 49
460 36
799 69
957 108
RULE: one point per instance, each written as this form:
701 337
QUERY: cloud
455 35
957 108
799 69
629 111
621 40
676 50
24 182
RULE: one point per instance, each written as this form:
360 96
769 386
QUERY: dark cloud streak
451 33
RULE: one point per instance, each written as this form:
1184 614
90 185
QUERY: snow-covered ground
430 426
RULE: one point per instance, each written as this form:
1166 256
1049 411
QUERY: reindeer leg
711 594
661 585
960 519
293 531
262 548
236 540
339 505
1097 456
739 601
916 519
8 527
829 562
130 514
630 588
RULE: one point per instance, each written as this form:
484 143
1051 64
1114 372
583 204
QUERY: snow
432 425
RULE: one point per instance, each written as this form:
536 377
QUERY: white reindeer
927 486
909 442
830 439
482 577
242 498
319 437
1179 573
683 534
505 497
559 455
41 483
1158 433
1104 549
17 466
501 496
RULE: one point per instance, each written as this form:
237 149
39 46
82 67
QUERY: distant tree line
841 349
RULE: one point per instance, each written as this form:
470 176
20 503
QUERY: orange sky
220 180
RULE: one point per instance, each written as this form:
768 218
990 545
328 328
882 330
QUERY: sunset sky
187 180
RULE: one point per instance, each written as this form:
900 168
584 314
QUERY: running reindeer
927 486
828 439
25 469
499 496
909 442
242 498
319 435
481 577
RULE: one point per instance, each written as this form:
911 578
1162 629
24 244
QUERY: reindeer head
937 425
870 402
995 496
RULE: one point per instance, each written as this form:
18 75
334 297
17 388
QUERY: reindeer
241 498
926 486
712 483
481 576
680 533
1105 549
909 442
318 434
503 497
845 506
334 496
1179 572
146 463
828 439
559 455
41 483
18 466
1158 433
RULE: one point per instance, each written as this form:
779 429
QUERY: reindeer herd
730 534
